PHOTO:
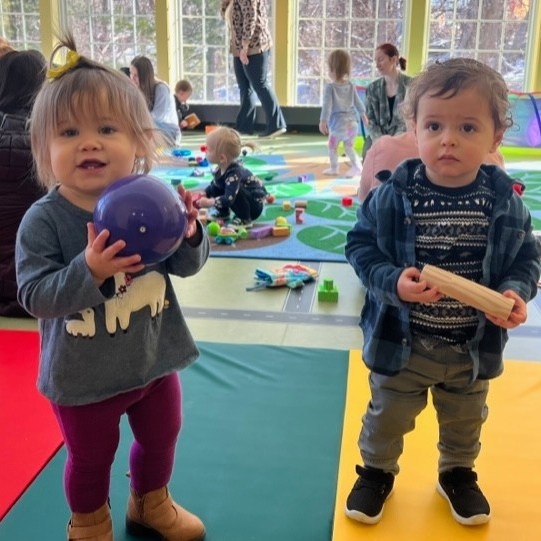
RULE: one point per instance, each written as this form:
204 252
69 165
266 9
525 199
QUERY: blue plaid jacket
382 244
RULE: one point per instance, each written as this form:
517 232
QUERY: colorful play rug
318 210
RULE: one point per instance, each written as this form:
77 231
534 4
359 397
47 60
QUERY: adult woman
21 76
250 45
384 95
159 97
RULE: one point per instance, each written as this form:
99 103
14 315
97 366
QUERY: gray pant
396 401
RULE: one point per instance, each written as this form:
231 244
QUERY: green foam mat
258 454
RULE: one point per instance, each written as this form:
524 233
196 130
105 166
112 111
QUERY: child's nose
90 142
448 137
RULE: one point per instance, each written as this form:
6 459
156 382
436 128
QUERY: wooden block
470 293
193 120
280 231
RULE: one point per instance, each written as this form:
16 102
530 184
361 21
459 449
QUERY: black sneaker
367 497
238 222
468 504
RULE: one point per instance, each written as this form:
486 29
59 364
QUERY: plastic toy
213 229
145 212
327 292
181 152
226 235
291 275
260 232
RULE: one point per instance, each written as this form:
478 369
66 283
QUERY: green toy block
327 292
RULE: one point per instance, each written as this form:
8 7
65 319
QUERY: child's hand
205 202
323 128
410 289
102 260
188 198
518 315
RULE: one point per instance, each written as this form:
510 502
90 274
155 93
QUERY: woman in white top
159 97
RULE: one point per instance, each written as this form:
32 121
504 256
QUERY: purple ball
146 213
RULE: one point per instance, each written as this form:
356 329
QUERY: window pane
493 31
358 26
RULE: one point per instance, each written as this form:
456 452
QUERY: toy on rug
290 275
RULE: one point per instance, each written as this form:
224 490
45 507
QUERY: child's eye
107 130
433 126
69 132
469 128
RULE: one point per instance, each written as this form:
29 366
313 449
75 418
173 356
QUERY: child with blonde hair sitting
233 188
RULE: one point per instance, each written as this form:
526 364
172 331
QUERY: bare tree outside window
359 27
492 31
113 31
19 23
496 32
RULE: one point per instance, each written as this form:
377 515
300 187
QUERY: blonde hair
226 141
446 79
339 63
85 89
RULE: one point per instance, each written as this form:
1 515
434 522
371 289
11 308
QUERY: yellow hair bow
72 59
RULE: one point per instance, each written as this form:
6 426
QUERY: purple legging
92 432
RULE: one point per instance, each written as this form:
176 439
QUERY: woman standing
250 45
384 95
159 97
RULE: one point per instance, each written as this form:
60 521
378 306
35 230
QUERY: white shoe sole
474 520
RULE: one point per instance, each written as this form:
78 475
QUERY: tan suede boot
156 513
96 526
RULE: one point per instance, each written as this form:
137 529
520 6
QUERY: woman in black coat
21 75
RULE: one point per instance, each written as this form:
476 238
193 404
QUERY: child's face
454 136
211 153
183 95
89 154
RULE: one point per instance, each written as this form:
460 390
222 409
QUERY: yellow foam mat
509 467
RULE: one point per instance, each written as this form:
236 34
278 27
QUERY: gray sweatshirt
97 342
341 105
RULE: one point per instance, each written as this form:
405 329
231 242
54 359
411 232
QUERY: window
203 51
495 32
20 23
359 27
113 31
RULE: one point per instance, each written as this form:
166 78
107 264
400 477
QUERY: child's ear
498 138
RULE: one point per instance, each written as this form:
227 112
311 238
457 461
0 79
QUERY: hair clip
72 59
